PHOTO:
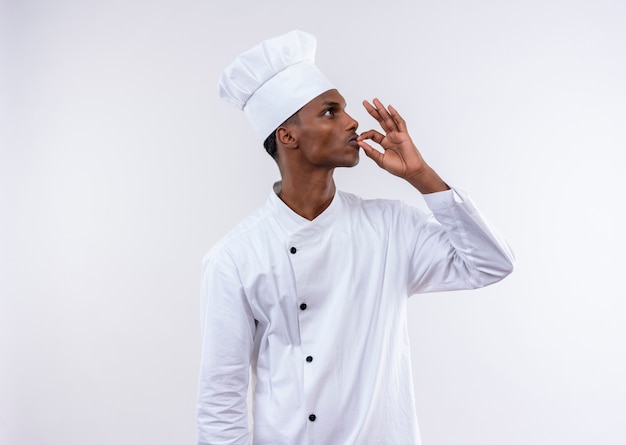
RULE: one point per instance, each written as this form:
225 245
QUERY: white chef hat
273 80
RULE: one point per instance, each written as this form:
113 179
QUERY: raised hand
400 156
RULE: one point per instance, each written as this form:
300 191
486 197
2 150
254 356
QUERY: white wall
120 167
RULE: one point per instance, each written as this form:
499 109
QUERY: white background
120 168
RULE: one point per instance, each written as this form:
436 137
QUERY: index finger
378 112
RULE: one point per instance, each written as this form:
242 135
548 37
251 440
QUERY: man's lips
352 141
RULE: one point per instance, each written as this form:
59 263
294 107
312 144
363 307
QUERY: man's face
326 134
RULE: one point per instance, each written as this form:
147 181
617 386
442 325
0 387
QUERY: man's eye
329 112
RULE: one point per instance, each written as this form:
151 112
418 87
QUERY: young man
310 291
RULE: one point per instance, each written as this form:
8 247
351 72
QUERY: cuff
445 199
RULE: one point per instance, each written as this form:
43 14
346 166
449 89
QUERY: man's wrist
427 181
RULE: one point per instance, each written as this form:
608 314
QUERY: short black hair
270 141
270 145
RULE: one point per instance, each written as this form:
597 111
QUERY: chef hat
273 80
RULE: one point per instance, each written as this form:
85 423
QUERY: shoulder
355 201
247 231
381 208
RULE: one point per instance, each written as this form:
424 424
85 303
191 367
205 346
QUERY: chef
308 295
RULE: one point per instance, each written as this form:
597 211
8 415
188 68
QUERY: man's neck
308 197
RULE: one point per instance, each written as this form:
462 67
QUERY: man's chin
350 165
357 159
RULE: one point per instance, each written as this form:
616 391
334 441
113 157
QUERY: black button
303 306
312 417
293 250
309 359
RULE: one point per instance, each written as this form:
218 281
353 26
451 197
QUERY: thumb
372 153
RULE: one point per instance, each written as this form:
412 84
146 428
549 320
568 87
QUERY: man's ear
286 137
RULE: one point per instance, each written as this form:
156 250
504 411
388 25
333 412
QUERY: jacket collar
292 222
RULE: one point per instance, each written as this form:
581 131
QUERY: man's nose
353 124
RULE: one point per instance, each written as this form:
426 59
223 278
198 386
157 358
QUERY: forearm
427 181
455 248
482 250
222 415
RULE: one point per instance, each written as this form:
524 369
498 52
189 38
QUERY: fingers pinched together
398 147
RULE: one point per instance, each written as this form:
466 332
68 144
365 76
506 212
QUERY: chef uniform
317 309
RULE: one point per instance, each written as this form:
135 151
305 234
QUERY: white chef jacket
317 310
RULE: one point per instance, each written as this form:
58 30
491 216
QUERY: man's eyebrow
330 103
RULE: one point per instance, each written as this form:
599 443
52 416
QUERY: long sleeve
456 248
227 344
